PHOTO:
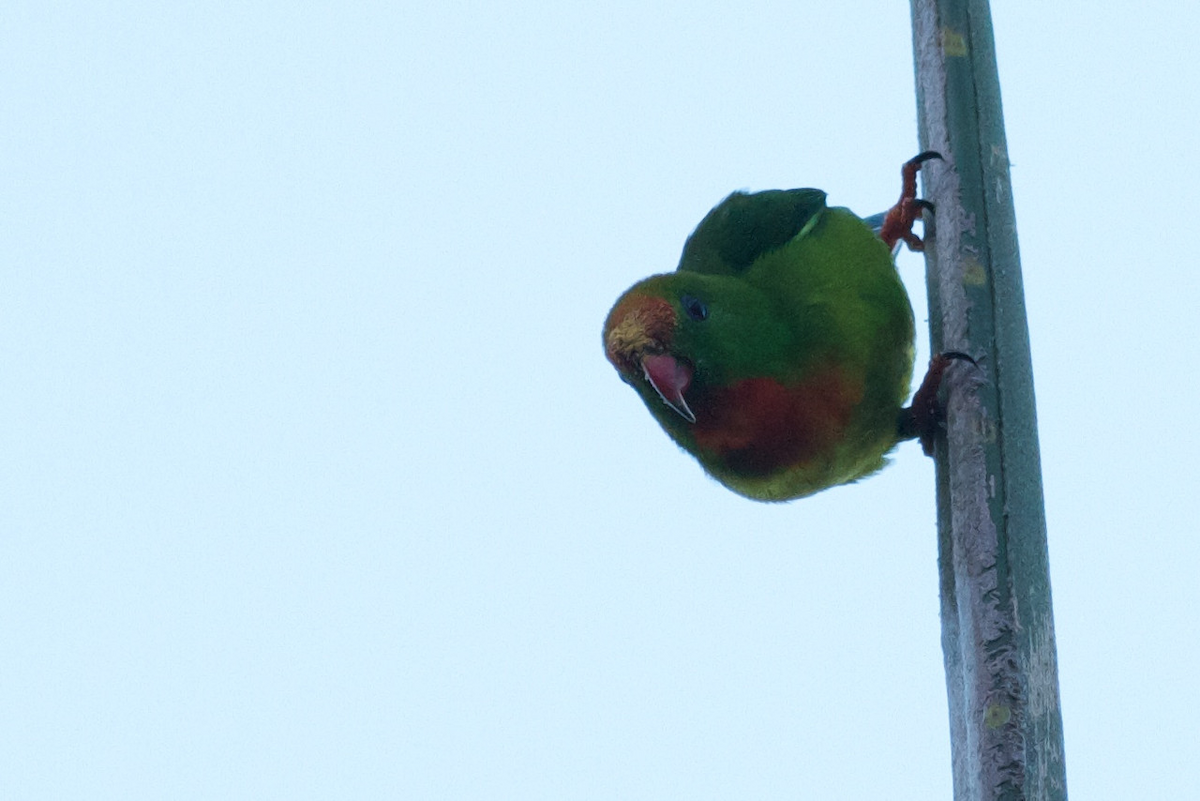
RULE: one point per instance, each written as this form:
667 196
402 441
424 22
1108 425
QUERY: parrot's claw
898 223
924 418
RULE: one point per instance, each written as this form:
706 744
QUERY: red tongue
670 380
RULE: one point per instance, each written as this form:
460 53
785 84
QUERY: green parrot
780 351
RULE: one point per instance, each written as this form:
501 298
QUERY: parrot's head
675 336
640 339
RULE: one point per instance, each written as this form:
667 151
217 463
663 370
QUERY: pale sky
316 481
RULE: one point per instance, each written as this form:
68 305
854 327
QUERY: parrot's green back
745 227
797 370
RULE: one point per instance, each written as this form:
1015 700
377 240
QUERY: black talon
898 222
958 354
923 418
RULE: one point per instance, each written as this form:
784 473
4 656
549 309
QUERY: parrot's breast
759 426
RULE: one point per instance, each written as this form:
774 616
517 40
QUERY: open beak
670 380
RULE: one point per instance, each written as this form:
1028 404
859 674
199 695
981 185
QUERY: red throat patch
758 426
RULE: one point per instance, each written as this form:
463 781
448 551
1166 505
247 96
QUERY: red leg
925 415
899 221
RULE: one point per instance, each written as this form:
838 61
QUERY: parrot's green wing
744 227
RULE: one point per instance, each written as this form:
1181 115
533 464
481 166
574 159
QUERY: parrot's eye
694 307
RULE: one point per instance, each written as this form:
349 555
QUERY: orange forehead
636 323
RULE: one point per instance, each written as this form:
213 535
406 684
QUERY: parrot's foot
923 419
898 223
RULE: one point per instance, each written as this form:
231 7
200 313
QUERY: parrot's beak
670 380
637 331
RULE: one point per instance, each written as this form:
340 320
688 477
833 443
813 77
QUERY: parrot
780 351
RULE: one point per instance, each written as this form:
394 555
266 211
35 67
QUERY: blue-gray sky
316 483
